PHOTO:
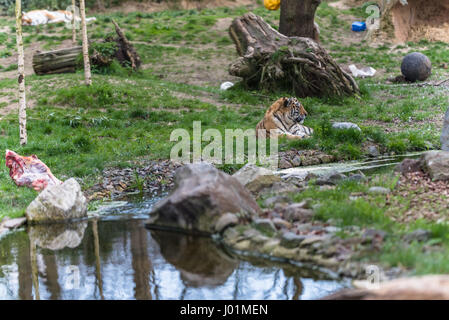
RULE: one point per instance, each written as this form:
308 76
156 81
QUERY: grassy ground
77 131
350 204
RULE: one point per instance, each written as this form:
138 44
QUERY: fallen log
272 61
58 61
101 55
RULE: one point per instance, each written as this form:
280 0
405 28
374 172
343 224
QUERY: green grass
370 212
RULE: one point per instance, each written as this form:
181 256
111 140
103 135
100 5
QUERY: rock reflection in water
198 259
57 236
122 260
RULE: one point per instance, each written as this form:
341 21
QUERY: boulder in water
58 203
201 196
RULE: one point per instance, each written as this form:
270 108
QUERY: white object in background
226 85
362 73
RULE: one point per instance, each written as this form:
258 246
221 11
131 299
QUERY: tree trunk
274 62
73 21
100 5
21 79
59 61
97 257
87 73
126 51
298 18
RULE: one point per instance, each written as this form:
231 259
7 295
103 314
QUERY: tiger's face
294 110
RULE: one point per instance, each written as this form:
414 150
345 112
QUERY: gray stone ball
416 67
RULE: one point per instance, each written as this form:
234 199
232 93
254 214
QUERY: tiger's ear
286 102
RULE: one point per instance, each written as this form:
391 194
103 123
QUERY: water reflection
199 261
120 259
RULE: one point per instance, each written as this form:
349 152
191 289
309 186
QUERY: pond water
115 257
368 166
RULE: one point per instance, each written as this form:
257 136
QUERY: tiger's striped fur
285 117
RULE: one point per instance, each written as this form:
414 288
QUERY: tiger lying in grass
38 17
285 118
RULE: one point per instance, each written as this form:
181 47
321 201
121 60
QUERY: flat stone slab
14 223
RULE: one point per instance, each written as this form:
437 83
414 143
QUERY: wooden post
21 72
87 74
73 22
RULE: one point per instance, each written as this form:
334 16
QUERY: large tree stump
272 61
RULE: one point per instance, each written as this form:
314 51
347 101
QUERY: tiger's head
293 110
26 20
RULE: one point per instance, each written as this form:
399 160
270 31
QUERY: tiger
38 17
285 118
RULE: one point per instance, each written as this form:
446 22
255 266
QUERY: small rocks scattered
374 234
271 201
296 158
358 177
281 223
255 178
334 178
408 165
296 212
291 240
428 197
345 126
311 240
283 187
331 179
378 190
373 151
264 225
419 235
153 176
225 221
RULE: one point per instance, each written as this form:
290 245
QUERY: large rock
202 195
445 134
58 203
255 178
409 165
416 67
436 163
